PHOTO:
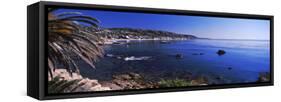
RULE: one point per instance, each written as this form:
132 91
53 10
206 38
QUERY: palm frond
68 14
58 85
68 41
52 9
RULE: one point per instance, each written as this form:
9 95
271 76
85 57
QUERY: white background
13 51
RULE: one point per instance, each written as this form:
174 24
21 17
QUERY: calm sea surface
242 62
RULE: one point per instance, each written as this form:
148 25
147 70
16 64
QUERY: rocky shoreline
128 81
131 81
121 82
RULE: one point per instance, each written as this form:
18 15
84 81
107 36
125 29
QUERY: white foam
132 58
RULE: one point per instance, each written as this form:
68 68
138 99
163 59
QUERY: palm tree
58 85
67 41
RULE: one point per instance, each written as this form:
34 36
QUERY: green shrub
264 77
174 83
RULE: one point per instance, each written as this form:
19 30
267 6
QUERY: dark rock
229 68
219 77
201 53
179 56
221 52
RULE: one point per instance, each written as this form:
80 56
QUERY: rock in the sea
179 56
219 77
229 68
221 52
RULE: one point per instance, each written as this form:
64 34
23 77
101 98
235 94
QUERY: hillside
130 33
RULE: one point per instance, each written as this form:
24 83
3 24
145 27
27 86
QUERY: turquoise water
242 62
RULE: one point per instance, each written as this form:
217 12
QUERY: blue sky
205 27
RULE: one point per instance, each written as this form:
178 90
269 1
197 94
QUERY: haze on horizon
202 27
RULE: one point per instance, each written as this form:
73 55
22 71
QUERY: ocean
156 60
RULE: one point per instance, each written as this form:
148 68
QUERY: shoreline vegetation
69 39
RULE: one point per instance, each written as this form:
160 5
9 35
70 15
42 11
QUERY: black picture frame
37 49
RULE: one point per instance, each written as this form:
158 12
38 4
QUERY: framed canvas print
82 50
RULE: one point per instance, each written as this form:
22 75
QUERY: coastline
112 41
135 80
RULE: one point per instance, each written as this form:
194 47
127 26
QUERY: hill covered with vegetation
131 33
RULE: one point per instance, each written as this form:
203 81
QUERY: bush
264 77
174 83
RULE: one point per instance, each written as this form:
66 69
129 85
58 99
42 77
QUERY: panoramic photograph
98 50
